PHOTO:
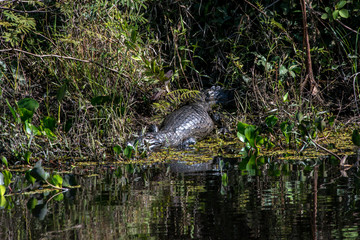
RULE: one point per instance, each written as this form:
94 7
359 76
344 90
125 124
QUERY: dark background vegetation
100 70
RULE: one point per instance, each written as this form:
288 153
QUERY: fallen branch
341 159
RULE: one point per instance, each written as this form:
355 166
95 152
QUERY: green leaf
31 204
356 137
324 16
128 151
2 202
250 135
2 190
49 122
31 129
61 92
340 4
299 117
117 149
328 10
282 70
48 133
241 127
56 180
38 172
27 156
4 161
7 177
29 104
344 13
285 97
12 112
335 14
224 179
270 121
241 137
29 178
59 197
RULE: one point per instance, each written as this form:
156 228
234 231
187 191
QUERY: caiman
189 123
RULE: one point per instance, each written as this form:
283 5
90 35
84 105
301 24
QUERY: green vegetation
78 78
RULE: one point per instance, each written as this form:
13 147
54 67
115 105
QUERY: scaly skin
189 123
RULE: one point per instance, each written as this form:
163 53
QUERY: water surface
251 198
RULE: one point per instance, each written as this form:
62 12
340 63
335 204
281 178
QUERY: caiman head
215 95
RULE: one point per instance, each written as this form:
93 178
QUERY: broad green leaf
56 180
250 135
2 202
38 172
356 137
241 127
241 137
4 161
340 4
335 14
344 13
59 197
117 149
2 190
282 70
270 121
324 16
31 129
48 133
29 104
29 178
7 177
31 204
328 10
49 122
128 151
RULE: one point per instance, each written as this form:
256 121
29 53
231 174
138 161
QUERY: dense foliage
80 76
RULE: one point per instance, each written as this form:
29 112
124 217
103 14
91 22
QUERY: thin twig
354 87
341 159
59 56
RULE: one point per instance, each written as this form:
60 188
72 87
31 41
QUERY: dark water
228 199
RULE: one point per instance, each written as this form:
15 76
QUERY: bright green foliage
56 180
2 190
4 161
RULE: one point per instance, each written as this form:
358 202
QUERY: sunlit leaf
7 177
250 135
335 14
56 180
2 190
59 197
4 161
12 112
324 16
31 129
285 97
49 134
31 204
224 179
340 4
344 13
2 201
